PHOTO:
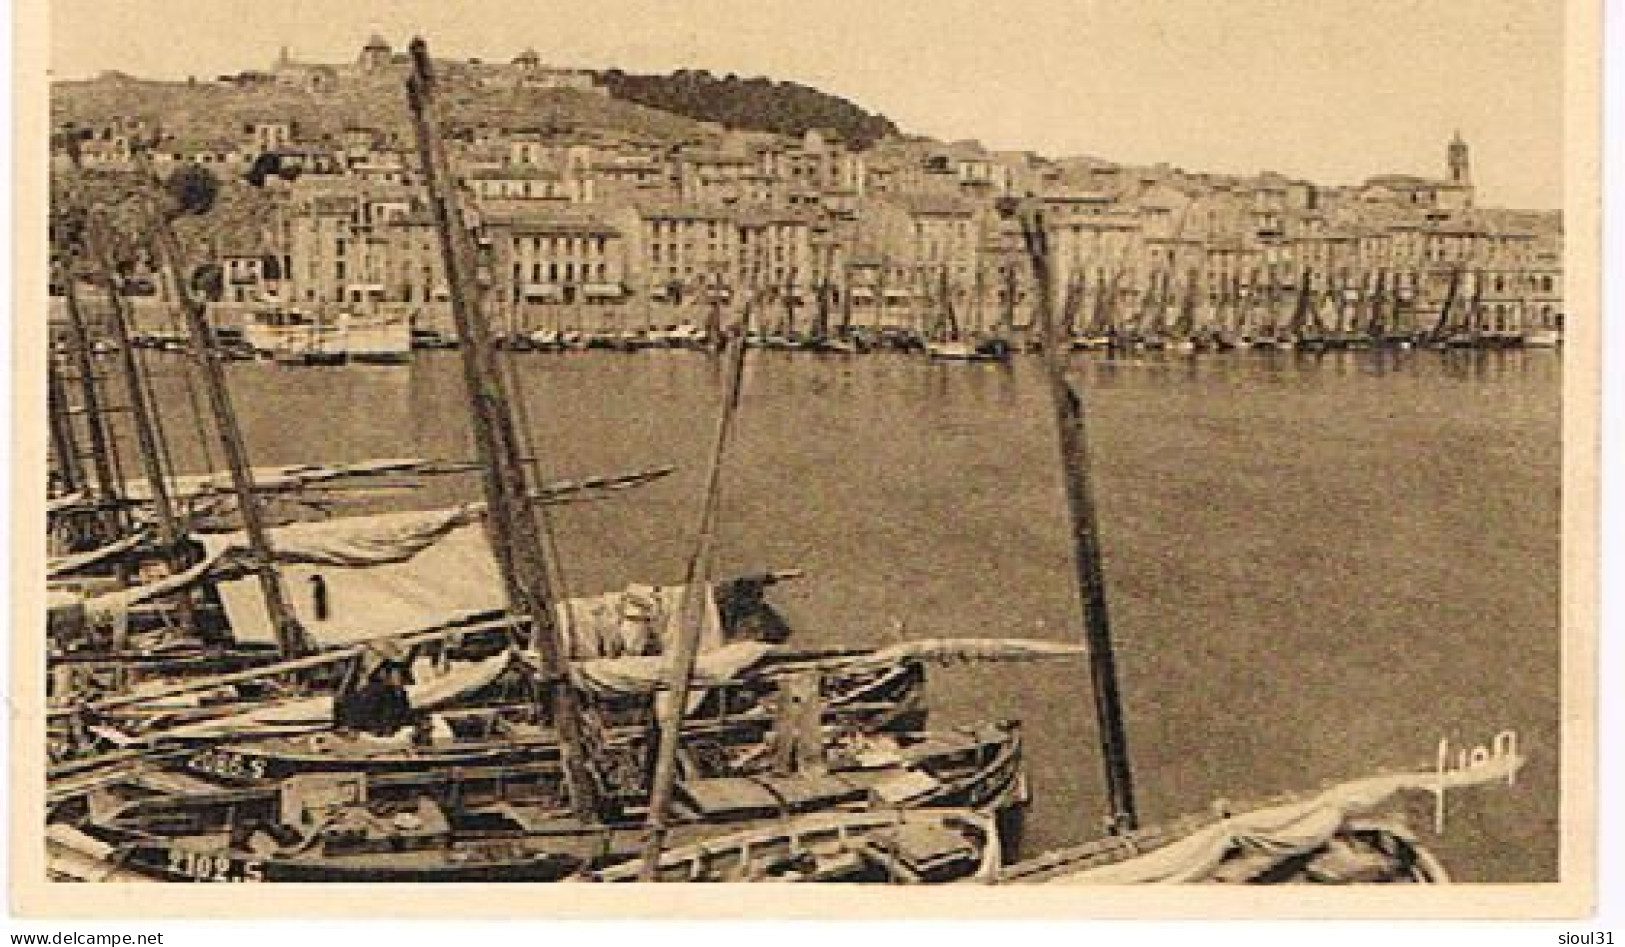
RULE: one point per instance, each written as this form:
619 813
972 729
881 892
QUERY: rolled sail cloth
646 673
964 650
1283 831
649 673
316 713
58 566
65 503
286 477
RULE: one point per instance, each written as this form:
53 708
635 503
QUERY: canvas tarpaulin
377 578
364 541
381 575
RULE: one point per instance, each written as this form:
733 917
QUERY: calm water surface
1318 566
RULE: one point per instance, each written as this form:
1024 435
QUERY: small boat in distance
376 338
297 337
987 350
294 337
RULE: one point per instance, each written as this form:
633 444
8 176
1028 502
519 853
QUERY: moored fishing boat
1336 836
902 846
967 351
507 823
1542 338
376 338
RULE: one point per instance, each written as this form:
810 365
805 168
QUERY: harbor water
1318 566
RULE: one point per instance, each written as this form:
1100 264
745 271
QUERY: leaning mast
513 522
1074 449
290 635
170 530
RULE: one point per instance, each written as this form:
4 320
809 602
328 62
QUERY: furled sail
58 566
309 713
1282 832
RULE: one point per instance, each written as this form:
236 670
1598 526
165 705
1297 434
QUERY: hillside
786 108
208 110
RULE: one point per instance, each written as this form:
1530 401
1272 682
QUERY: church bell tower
1460 165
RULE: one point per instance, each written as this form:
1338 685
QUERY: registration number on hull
213 866
227 765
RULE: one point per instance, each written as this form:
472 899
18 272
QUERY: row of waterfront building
592 227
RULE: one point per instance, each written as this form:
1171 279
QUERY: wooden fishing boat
1339 835
1361 852
499 727
838 346
964 351
508 823
901 846
1091 343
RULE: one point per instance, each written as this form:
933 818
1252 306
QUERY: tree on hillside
786 108
192 189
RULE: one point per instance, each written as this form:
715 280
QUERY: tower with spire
1460 165
375 55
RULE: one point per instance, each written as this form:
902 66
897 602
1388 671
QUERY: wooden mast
1441 329
101 442
681 670
170 531
63 441
291 638
846 299
514 524
1074 449
1305 305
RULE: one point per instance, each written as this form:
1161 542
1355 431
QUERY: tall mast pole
290 636
1074 450
681 671
846 299
63 441
170 531
101 443
1442 327
514 523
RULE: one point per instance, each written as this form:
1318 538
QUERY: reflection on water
1318 564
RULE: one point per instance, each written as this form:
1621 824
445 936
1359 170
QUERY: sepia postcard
1027 460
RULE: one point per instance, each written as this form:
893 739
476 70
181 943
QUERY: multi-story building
556 266
684 251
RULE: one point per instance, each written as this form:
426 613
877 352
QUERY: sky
1330 90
